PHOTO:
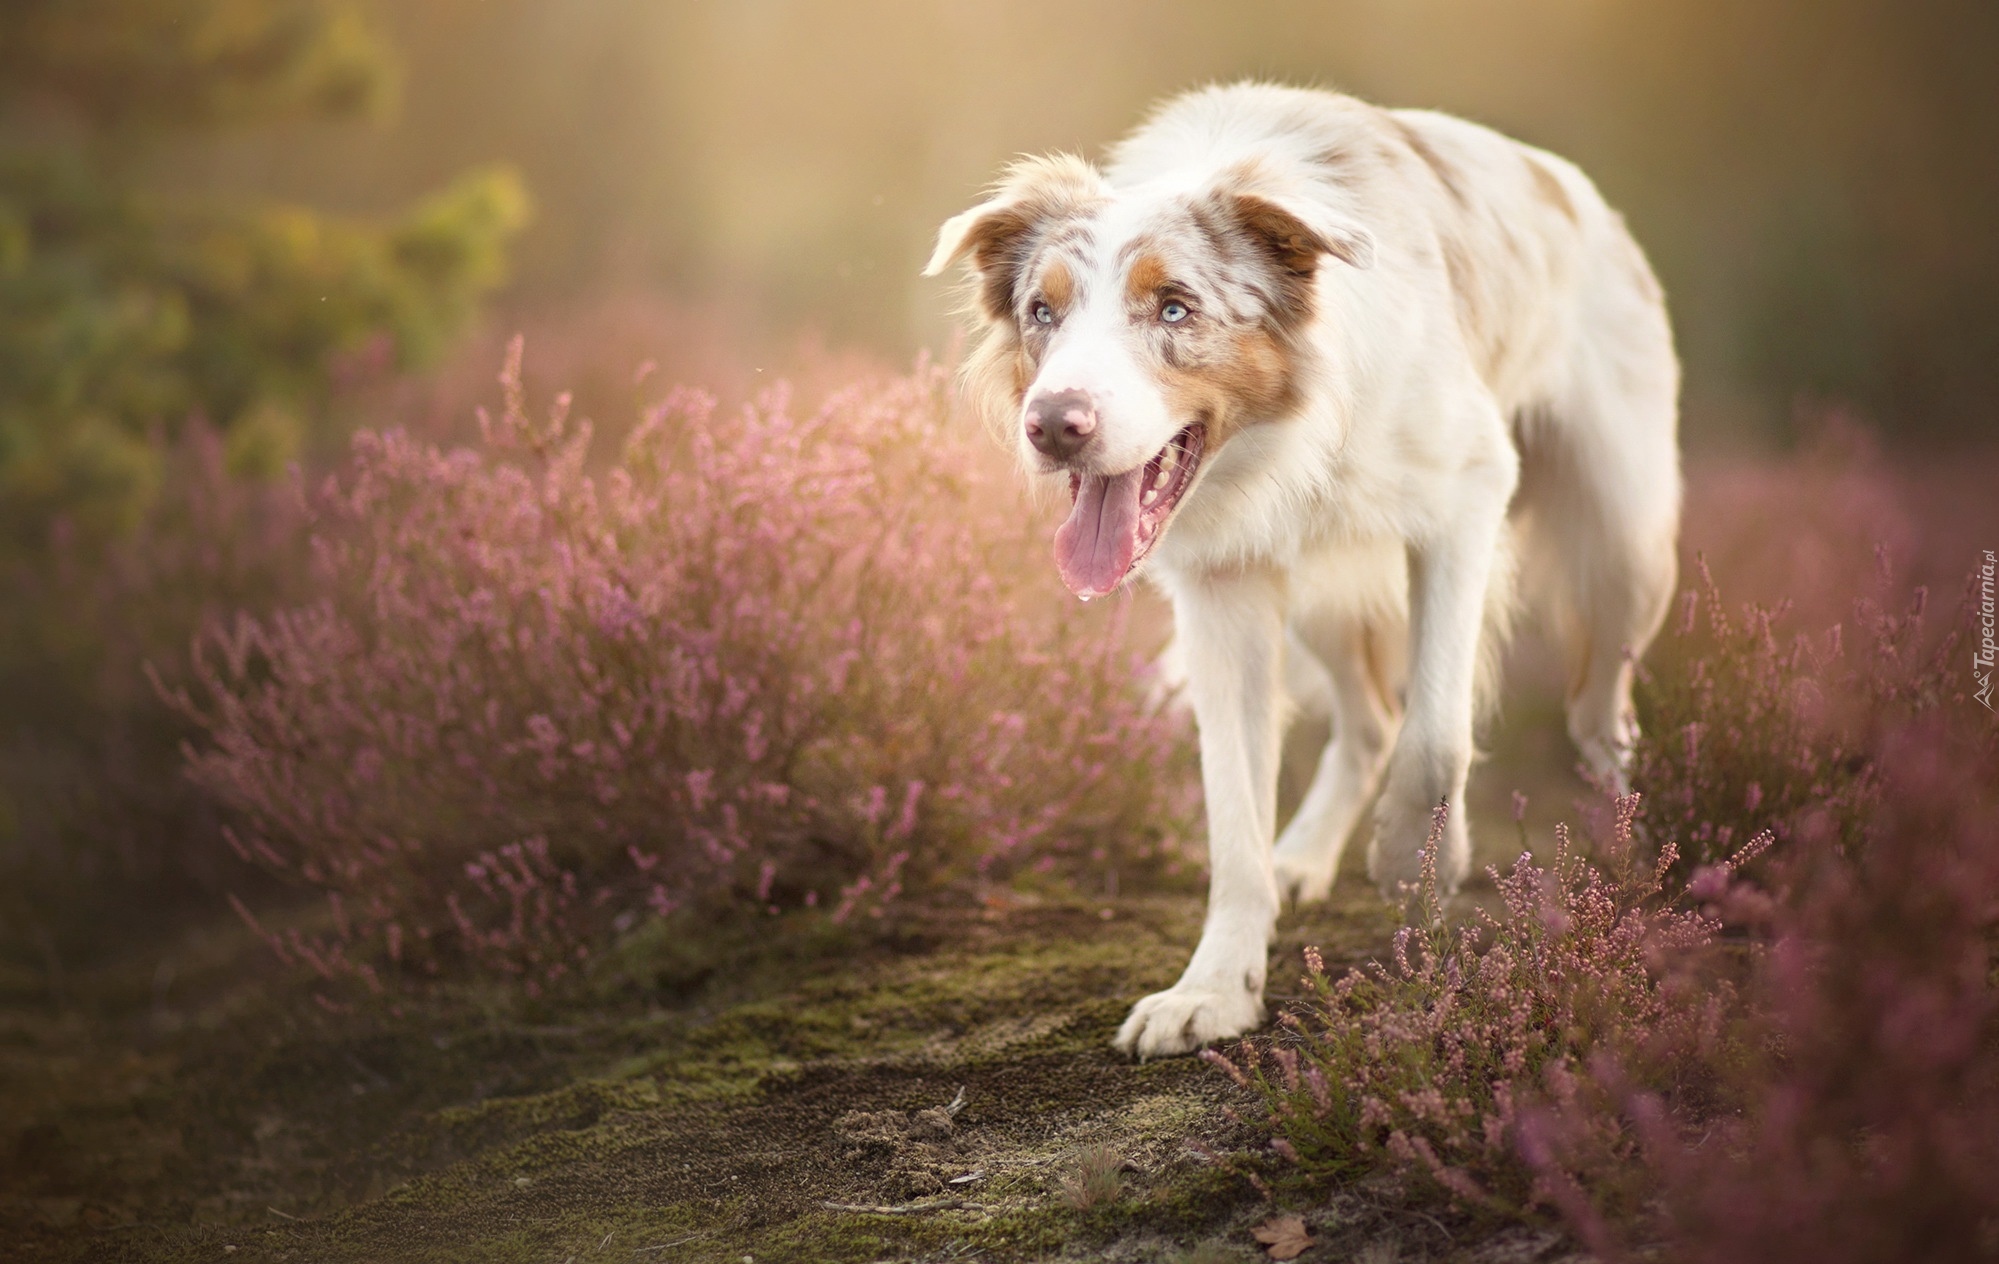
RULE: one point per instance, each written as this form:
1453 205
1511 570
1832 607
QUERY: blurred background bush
127 304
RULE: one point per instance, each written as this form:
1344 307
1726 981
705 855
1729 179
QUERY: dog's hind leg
1232 630
1364 716
1619 612
1605 581
1600 491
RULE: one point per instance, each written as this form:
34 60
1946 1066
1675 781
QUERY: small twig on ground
286 1214
908 1209
1450 1239
665 1245
957 1103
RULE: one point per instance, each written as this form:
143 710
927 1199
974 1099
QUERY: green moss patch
677 1108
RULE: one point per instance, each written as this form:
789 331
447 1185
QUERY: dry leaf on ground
1285 1237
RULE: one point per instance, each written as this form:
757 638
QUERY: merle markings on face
1129 336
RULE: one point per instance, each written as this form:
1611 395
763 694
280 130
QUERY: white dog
1324 371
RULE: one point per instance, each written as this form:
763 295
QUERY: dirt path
187 1118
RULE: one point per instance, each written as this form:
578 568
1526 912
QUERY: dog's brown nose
1061 423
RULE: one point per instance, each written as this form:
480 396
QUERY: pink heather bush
1857 1116
766 661
1869 1127
1762 718
1749 727
1422 1068
1736 732
1790 1054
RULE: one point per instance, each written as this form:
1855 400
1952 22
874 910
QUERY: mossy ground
696 1100
610 1125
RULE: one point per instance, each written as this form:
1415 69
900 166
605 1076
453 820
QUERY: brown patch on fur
1001 257
1548 187
1143 282
997 243
1446 174
1058 285
1252 380
1290 247
1333 157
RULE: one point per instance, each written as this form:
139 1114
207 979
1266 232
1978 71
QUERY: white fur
1490 373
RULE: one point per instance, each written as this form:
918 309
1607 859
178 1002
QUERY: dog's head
1129 334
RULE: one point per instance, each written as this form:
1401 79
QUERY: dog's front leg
1232 629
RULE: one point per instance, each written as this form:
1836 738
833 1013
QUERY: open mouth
1117 518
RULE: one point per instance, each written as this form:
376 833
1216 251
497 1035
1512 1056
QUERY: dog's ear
1292 235
1294 238
999 233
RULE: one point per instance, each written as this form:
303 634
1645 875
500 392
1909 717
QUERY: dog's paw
1302 879
1182 1019
1402 833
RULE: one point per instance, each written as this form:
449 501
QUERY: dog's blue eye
1174 313
1043 314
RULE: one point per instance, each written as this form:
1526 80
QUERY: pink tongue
1094 548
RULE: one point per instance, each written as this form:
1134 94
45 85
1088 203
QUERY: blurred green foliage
162 352
146 64
125 310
